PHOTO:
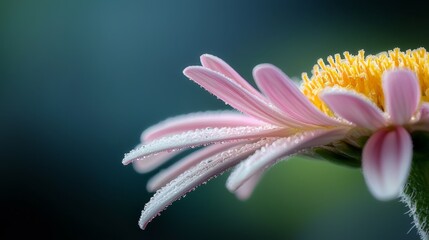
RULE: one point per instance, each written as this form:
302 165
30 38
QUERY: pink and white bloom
273 125
387 155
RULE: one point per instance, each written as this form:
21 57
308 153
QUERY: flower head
378 97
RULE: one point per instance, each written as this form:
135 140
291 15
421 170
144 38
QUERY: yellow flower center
363 74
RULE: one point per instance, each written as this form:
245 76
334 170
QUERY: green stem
416 195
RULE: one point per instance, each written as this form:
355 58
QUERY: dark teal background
80 80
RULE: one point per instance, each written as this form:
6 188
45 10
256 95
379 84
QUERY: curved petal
201 137
192 178
386 162
401 94
218 65
165 176
247 188
422 123
235 95
287 96
284 147
193 121
354 107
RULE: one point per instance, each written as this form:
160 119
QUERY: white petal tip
189 70
260 68
386 196
208 57
126 161
142 226
231 186
242 197
151 186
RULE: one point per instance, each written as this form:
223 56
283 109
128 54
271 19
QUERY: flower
386 158
378 97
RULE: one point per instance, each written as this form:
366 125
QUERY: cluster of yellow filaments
363 74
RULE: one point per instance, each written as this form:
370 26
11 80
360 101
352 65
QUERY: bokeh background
80 80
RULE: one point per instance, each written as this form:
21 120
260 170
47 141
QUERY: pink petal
354 108
192 178
284 147
424 112
151 162
247 188
287 96
218 65
235 95
183 123
422 122
386 162
401 94
165 176
201 137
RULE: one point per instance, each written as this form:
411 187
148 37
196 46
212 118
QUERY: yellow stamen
363 74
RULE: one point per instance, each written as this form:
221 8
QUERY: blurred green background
80 80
